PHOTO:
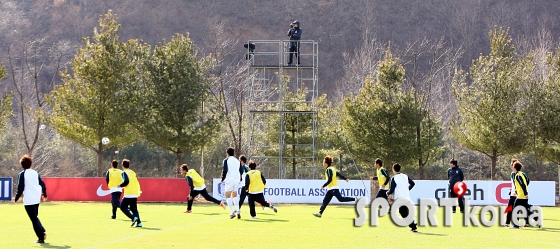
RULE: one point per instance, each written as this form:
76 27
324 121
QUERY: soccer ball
105 140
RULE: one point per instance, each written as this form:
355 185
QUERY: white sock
229 203
236 202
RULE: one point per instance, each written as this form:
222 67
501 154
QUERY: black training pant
511 202
382 193
204 194
115 202
33 213
524 203
461 200
256 198
242 196
403 211
128 205
294 49
329 196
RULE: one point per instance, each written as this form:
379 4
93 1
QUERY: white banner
302 191
541 193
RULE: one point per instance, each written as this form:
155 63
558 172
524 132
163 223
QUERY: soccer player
113 178
245 169
512 195
332 186
401 185
455 175
32 187
522 189
131 193
197 186
382 178
254 185
231 177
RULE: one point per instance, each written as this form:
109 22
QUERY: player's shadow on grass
550 229
47 245
148 228
266 220
432 234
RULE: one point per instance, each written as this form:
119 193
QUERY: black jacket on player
455 175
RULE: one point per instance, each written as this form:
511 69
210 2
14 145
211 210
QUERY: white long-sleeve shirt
401 185
31 187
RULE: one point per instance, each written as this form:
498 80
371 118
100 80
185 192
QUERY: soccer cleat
139 224
232 215
187 211
254 217
413 230
454 211
134 221
113 217
40 241
317 215
514 227
274 209
238 215
222 205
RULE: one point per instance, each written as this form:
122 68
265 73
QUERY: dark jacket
455 175
295 34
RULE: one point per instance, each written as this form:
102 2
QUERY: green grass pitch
88 225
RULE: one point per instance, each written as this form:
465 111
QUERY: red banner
95 189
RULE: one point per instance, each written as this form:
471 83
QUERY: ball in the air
460 189
105 140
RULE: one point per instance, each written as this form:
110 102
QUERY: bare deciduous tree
34 69
428 63
230 83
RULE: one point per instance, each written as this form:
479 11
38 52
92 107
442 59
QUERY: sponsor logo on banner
6 189
102 192
303 191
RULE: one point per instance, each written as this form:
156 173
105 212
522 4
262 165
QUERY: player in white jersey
401 185
32 188
231 177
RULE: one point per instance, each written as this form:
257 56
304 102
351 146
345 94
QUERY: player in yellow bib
254 186
522 189
197 186
113 178
131 193
383 179
332 186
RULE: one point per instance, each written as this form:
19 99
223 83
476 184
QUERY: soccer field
88 225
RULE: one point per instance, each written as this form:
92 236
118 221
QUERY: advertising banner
302 191
95 189
541 193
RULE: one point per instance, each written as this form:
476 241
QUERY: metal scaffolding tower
282 112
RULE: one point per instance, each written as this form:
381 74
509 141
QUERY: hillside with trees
442 48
